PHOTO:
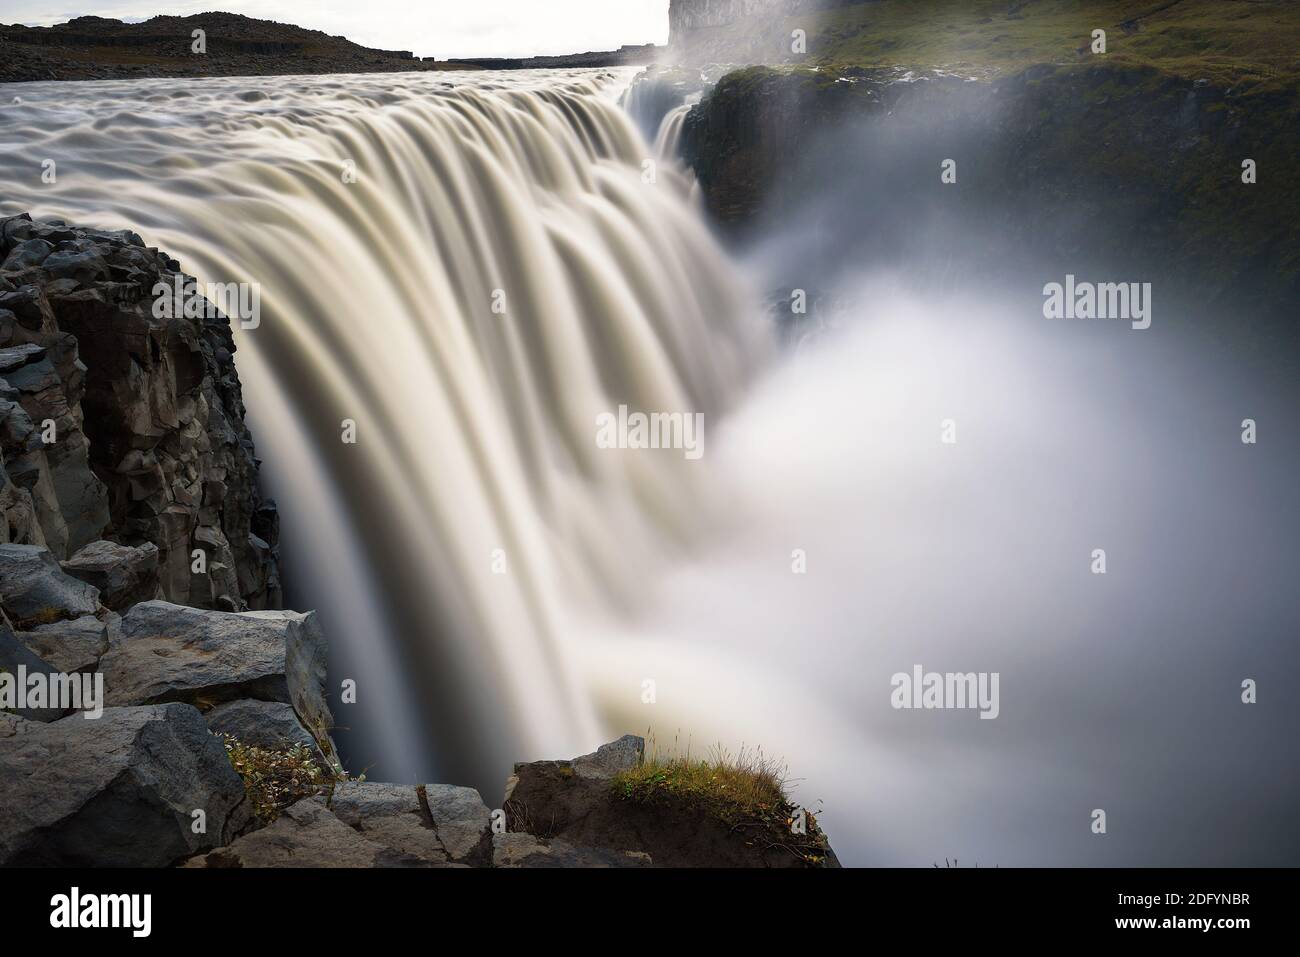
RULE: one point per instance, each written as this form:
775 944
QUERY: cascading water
503 589
471 271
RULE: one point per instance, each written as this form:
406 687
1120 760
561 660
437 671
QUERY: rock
167 652
572 808
34 590
13 654
85 266
609 759
119 791
524 850
69 646
307 834
147 413
124 575
25 255
261 724
433 822
12 724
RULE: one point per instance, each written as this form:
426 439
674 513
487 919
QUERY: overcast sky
438 28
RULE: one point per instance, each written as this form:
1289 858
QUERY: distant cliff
737 31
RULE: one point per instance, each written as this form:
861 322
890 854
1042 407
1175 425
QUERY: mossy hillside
1225 41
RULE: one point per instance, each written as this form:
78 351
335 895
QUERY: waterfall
668 142
471 270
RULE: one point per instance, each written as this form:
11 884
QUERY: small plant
275 778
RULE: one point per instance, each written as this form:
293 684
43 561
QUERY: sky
440 28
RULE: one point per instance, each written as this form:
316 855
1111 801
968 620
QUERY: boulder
69 646
433 822
307 834
123 574
165 652
13 655
120 791
567 805
261 724
34 590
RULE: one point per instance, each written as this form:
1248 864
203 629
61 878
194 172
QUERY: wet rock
123 574
120 791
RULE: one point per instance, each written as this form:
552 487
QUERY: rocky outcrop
122 574
1069 161
164 652
117 424
737 31
572 807
126 790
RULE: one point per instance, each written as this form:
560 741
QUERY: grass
746 790
1225 41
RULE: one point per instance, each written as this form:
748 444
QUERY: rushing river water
473 268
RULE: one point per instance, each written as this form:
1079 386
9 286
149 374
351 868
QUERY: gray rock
261 724
13 655
34 590
26 254
433 822
119 791
12 724
610 759
518 850
85 266
167 652
306 834
69 646
123 574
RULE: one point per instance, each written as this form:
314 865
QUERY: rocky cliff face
118 425
1132 167
737 31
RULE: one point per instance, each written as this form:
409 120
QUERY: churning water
473 268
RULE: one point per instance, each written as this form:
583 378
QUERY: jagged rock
434 822
575 805
609 759
149 443
124 575
69 646
13 654
119 791
307 834
524 850
34 590
166 652
261 724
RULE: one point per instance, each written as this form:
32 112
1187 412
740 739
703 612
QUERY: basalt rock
116 423
164 652
118 791
124 575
